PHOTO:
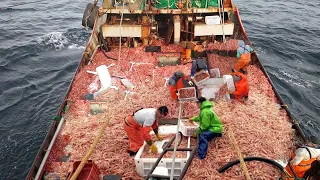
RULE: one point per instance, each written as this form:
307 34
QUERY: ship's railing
34 170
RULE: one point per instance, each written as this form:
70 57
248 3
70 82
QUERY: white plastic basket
214 73
144 165
213 82
187 130
211 20
198 83
191 98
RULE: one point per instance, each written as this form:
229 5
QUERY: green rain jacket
208 119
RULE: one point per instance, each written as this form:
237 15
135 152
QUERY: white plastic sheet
104 76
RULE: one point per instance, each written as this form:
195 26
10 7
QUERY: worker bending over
138 127
314 172
178 81
244 55
241 86
303 158
210 126
198 65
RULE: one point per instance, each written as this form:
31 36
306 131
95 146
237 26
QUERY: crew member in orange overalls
188 49
138 127
314 172
241 86
303 158
244 55
178 81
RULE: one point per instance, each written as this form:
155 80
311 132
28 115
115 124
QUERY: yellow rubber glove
195 134
159 137
153 148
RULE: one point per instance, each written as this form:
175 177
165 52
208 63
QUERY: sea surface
41 43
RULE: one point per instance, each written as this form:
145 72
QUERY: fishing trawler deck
261 127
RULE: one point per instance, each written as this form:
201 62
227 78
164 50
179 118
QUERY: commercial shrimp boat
134 48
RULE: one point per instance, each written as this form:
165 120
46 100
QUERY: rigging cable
224 37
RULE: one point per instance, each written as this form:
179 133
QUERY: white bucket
229 81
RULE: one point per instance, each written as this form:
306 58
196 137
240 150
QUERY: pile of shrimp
260 126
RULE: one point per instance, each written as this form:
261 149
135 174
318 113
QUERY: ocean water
42 42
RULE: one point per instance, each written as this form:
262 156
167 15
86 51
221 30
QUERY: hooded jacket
208 119
244 55
177 81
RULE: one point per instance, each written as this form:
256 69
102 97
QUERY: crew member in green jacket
210 126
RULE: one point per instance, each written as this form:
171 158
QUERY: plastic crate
198 83
144 165
192 97
214 73
211 20
187 130
89 171
213 82
208 92
209 88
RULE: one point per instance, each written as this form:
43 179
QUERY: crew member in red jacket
138 127
241 86
178 81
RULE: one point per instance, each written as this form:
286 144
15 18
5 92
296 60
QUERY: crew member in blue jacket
198 65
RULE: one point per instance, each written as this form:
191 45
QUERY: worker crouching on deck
302 159
244 55
210 126
241 86
198 65
139 125
178 81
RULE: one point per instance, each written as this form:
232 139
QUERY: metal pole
175 143
186 166
49 149
224 37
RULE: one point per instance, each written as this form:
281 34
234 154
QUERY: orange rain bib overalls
243 62
137 133
300 169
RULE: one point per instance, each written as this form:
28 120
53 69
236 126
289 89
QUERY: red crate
90 171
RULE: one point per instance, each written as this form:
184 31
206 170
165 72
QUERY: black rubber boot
131 153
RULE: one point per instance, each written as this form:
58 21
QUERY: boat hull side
256 60
47 140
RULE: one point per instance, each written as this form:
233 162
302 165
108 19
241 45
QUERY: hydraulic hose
262 159
105 46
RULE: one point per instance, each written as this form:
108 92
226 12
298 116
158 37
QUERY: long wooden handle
236 147
89 152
